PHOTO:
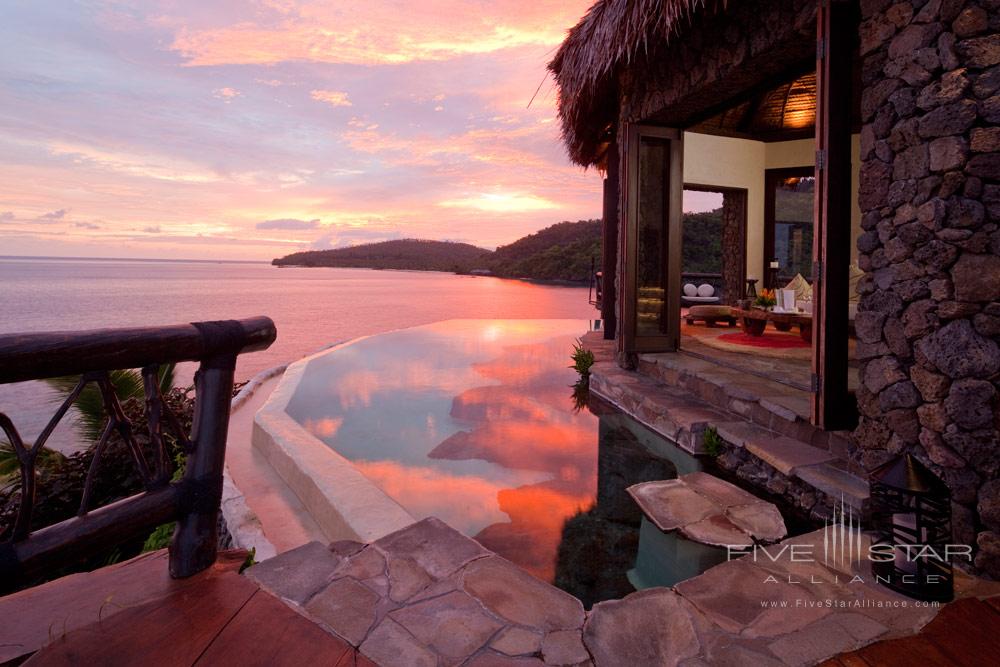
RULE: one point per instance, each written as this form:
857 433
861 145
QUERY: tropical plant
712 442
89 405
582 358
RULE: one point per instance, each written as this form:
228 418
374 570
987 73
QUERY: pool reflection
471 421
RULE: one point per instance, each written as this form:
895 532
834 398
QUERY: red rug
771 339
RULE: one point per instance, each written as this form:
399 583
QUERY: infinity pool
471 421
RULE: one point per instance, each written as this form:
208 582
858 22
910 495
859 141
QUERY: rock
984 165
453 625
989 505
988 557
919 318
564 647
365 564
652 627
671 504
958 351
948 119
949 88
964 212
389 641
433 545
513 594
911 163
900 395
980 52
406 578
932 386
514 641
298 574
346 607
985 139
868 325
970 403
933 416
976 277
880 373
979 450
970 21
938 452
948 153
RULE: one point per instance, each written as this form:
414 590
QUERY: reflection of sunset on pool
471 421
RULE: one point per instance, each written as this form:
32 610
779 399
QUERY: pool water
471 421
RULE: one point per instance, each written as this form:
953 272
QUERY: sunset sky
250 129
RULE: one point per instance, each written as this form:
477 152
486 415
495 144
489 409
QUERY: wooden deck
965 632
134 614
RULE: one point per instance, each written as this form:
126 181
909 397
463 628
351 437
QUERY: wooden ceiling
785 112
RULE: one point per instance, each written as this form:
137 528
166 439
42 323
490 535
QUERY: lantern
911 518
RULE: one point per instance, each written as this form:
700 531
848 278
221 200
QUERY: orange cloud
334 98
375 33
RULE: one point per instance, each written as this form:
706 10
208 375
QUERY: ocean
311 307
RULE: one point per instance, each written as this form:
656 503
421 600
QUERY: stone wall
929 319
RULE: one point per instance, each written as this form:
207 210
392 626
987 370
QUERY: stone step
766 403
683 419
816 467
672 413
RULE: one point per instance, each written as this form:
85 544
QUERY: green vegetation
712 441
582 358
406 254
702 249
562 252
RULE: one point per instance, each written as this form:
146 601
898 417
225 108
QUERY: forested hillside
561 252
402 254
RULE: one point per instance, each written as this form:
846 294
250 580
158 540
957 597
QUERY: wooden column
837 23
195 539
609 263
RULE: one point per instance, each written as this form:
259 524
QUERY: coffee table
755 322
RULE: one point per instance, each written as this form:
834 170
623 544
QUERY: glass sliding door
788 236
652 243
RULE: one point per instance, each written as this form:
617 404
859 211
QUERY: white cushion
690 290
803 290
705 290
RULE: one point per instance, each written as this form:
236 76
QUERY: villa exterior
888 112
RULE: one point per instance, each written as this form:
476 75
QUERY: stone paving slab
708 510
785 454
427 595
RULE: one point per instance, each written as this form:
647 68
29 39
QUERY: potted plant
765 300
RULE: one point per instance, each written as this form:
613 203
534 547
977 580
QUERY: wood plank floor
965 633
216 617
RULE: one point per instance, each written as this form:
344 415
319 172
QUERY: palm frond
89 405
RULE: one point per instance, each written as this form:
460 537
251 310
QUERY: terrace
422 589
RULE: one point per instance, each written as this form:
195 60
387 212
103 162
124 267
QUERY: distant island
561 252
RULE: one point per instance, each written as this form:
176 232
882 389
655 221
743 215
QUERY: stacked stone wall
928 325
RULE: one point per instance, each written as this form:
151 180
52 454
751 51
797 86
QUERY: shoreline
553 282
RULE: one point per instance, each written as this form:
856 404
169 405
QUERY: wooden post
195 539
609 263
836 30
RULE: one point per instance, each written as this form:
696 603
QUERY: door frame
669 340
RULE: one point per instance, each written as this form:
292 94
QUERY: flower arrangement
766 299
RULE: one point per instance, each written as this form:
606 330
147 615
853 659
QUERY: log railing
193 501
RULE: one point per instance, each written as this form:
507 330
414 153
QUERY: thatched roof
612 33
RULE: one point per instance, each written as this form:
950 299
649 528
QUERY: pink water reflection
471 421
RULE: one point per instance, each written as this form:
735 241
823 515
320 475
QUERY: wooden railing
193 501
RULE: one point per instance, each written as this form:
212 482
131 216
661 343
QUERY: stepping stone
709 510
652 627
690 522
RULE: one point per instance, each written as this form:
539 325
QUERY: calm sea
311 307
